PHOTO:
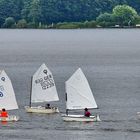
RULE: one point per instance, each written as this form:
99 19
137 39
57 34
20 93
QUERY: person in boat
87 113
47 106
4 113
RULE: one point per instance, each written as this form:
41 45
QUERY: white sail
43 86
79 94
7 95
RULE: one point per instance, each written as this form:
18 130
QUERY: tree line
68 13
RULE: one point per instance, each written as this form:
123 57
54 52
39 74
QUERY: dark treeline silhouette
47 13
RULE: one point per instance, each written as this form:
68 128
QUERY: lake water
110 59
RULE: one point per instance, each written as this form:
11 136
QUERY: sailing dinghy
43 89
79 96
7 96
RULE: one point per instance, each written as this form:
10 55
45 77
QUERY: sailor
4 113
87 113
47 106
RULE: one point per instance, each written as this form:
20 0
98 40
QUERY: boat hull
80 118
40 109
10 118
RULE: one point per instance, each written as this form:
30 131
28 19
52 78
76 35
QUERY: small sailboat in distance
43 89
7 97
79 96
138 115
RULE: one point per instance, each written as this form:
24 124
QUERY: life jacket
87 114
4 114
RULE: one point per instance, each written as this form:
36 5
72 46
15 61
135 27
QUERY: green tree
35 11
10 8
26 10
105 20
22 24
9 22
124 15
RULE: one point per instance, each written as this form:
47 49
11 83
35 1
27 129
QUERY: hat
86 109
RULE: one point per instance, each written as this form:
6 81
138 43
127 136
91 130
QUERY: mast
66 101
30 103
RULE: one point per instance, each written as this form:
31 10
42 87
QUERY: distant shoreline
80 28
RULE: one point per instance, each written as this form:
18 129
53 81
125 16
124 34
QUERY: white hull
10 118
40 109
80 118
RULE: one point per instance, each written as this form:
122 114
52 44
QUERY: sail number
46 82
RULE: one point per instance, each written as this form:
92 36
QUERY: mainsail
43 86
79 94
7 95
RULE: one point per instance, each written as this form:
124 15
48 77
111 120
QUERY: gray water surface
110 59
